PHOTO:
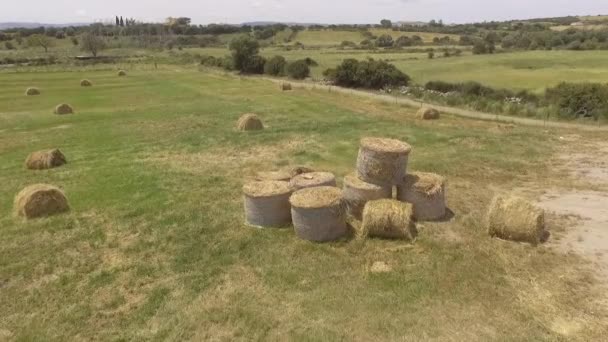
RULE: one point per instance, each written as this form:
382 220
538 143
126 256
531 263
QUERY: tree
117 21
122 22
40 40
298 70
403 41
385 23
92 43
245 50
275 66
385 40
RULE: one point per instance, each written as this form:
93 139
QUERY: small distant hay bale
426 113
312 179
389 219
514 218
249 122
86 83
357 193
286 86
273 176
426 192
122 73
40 200
382 161
267 204
31 91
42 160
63 109
318 214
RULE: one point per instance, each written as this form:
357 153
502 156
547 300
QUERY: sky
307 11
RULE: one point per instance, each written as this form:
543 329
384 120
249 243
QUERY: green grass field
155 247
530 70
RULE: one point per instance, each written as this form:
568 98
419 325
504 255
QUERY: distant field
327 37
530 70
427 37
155 247
587 26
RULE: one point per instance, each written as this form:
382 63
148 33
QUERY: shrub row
475 89
370 74
579 99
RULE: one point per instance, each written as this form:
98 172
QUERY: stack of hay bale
318 209
300 196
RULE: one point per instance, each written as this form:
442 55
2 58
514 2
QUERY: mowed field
155 247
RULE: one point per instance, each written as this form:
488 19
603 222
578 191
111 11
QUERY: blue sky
322 11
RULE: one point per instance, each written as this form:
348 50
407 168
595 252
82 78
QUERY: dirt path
451 110
586 211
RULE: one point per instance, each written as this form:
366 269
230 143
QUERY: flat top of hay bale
386 145
425 182
318 197
312 178
353 181
266 188
387 205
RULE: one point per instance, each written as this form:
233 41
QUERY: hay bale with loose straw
40 200
122 73
390 219
86 83
318 214
426 113
426 192
47 159
514 218
249 122
31 91
312 179
267 204
382 161
286 86
63 109
357 193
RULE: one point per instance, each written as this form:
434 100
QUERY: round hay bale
273 176
42 160
86 83
40 200
390 219
318 214
514 218
122 73
63 109
426 113
357 193
249 122
312 179
31 91
382 161
426 192
267 204
286 86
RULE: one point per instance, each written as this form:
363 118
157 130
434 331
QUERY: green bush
275 66
369 74
579 99
298 70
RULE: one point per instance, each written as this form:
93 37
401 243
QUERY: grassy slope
155 246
